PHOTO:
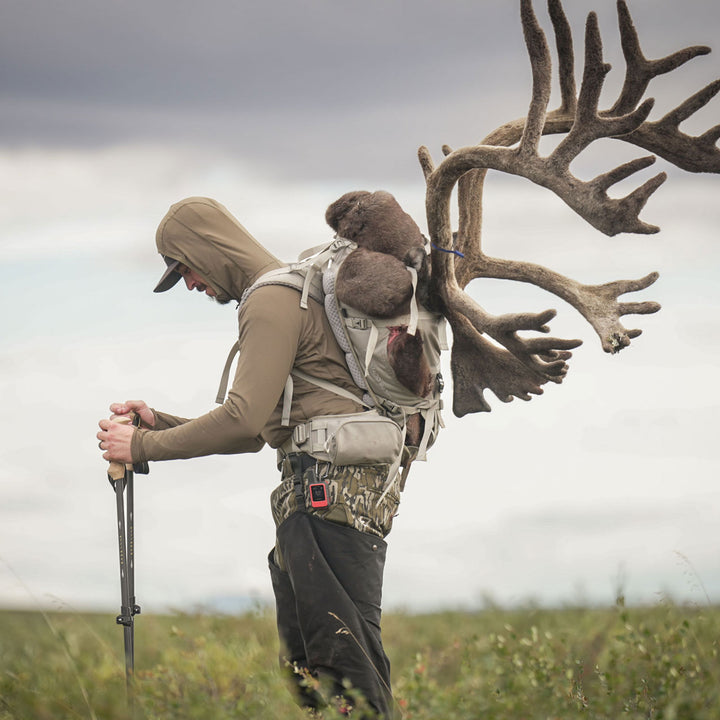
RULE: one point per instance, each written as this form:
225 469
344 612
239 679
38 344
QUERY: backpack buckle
300 434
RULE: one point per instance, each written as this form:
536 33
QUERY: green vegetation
658 663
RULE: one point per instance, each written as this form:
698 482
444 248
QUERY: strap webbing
412 326
393 472
222 390
442 334
287 401
429 420
306 286
325 385
372 344
305 254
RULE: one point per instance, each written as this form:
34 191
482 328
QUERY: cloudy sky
112 111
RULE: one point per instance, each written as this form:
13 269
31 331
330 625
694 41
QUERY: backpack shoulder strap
306 282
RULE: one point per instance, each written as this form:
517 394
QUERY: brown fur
374 283
414 426
374 221
407 359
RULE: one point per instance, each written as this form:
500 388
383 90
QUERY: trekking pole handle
116 470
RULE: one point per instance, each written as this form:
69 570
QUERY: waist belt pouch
365 438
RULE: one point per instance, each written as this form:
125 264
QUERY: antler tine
541 80
610 215
598 304
664 137
606 181
470 185
426 162
601 308
566 59
690 106
631 205
639 70
589 125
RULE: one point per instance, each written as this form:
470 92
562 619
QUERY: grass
654 663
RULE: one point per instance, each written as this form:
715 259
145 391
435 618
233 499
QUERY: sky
110 112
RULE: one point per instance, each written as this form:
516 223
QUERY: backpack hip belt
365 438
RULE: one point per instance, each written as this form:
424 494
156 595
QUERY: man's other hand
139 407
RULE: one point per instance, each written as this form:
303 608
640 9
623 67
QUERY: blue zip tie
454 252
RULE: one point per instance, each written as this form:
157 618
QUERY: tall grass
602 664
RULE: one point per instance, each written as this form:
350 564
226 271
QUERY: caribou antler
525 364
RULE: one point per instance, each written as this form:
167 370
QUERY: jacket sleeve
269 334
164 420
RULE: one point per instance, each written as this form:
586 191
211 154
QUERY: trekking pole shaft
121 478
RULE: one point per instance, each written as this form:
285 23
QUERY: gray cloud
236 54
286 84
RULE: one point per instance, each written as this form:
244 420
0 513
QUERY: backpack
363 339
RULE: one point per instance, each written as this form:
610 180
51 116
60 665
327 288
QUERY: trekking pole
121 477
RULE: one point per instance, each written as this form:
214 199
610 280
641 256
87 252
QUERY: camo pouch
356 497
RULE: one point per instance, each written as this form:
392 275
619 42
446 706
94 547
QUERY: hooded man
327 563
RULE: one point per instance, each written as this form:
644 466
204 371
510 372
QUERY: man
327 563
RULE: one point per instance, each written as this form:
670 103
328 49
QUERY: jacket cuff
137 451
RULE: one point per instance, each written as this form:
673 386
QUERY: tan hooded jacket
275 335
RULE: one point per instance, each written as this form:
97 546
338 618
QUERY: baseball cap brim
170 276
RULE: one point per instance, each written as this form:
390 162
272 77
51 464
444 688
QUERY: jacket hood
202 234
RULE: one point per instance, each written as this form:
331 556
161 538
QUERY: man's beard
220 299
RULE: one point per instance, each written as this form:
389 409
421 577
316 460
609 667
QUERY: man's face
194 282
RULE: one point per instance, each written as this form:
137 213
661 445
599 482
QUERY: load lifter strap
321 253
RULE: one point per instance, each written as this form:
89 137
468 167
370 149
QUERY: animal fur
414 427
374 283
375 221
407 359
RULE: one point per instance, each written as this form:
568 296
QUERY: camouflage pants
354 494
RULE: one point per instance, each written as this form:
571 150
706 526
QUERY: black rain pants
331 581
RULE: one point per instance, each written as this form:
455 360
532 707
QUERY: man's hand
139 407
115 439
